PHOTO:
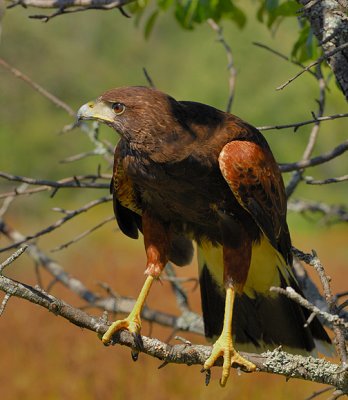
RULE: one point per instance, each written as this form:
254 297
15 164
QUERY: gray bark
329 22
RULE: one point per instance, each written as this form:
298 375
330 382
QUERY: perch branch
112 304
278 362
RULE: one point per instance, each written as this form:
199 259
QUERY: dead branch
313 260
83 234
329 22
70 182
330 155
53 4
38 88
291 294
296 125
311 181
230 66
278 362
12 258
282 56
69 6
328 211
297 175
69 215
112 304
325 57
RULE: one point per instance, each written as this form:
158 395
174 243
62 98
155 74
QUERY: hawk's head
132 111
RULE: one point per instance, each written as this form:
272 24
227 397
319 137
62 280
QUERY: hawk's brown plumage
186 171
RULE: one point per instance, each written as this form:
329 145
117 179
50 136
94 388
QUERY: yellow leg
224 346
133 322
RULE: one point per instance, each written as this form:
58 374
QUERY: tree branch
296 125
70 182
60 222
329 23
230 66
69 6
337 151
278 362
67 3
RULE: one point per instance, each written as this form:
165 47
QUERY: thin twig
337 151
291 294
313 260
60 222
297 175
9 199
70 182
12 258
325 281
281 55
70 6
83 234
328 210
4 303
54 99
296 125
63 3
230 63
311 181
314 63
148 78
180 293
318 393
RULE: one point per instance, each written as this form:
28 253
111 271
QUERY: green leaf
238 16
288 9
164 4
297 50
260 12
271 5
150 24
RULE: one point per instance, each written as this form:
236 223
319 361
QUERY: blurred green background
77 57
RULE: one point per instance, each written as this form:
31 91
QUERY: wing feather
254 178
126 209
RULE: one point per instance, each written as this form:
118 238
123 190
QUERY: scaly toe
242 362
130 324
230 357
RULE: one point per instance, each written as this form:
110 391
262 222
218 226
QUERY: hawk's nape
186 171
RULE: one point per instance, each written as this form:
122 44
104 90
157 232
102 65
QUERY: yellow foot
132 324
223 347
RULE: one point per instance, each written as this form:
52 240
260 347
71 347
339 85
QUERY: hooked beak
99 111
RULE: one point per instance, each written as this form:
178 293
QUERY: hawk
185 171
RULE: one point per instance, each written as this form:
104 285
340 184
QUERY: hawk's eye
118 108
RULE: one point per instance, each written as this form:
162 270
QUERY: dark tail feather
261 323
